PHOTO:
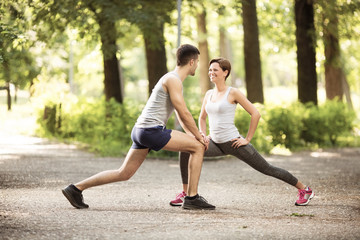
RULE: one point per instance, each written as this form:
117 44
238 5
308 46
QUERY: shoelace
301 194
180 195
203 199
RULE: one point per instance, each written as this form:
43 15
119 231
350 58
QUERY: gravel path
249 204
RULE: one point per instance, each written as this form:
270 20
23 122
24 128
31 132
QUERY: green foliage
285 125
299 124
276 21
301 215
16 62
104 126
326 123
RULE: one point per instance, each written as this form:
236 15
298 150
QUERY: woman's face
216 73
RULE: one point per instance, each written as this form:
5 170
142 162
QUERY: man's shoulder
171 76
171 79
171 83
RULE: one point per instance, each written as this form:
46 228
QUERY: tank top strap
175 73
224 99
227 92
210 95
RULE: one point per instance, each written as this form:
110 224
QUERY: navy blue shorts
154 138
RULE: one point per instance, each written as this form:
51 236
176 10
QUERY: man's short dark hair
185 53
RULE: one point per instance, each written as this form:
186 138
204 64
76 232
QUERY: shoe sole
71 200
194 207
307 202
175 204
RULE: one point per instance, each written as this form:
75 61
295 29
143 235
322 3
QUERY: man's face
194 65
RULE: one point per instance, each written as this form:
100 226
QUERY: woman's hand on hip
238 142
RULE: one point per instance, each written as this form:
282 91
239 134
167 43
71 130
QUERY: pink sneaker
305 195
178 201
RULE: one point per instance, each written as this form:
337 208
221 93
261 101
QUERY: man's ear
192 62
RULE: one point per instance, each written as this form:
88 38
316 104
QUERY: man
149 133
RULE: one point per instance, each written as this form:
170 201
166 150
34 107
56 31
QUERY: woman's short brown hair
223 63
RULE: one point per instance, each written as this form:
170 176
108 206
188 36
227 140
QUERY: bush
285 125
106 126
325 124
50 119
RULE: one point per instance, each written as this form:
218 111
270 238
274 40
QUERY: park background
81 71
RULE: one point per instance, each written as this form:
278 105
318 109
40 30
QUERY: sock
193 197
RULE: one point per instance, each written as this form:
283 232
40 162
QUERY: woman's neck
220 87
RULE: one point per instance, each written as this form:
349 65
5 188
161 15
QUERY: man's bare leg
182 142
132 162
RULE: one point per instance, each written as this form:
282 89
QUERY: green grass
301 215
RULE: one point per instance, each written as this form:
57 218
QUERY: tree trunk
7 77
8 96
346 89
225 51
333 71
253 79
155 55
306 55
205 83
112 70
16 94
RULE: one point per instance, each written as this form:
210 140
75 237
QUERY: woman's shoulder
236 91
235 95
209 92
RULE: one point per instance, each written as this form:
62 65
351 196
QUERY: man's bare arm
182 124
174 87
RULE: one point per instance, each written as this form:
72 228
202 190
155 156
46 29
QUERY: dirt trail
249 204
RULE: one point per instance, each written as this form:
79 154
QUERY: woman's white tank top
221 119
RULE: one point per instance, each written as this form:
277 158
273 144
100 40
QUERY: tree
16 66
333 72
150 16
306 55
197 8
253 79
96 18
335 79
205 84
108 34
155 57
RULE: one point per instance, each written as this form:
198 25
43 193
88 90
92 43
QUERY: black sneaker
74 196
198 203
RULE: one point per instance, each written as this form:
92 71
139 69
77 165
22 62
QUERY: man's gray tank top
158 108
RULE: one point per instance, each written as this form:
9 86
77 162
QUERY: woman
220 105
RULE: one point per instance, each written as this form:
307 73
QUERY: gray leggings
246 153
